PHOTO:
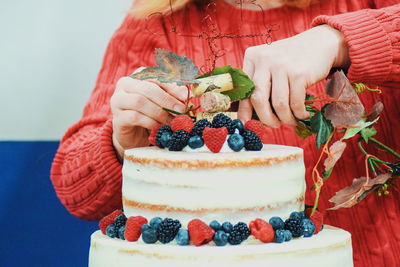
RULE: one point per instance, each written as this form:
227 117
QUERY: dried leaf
351 195
302 130
342 114
335 152
375 112
170 68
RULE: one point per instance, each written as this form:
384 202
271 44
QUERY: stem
388 149
362 148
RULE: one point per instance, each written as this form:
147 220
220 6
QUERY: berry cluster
116 225
183 132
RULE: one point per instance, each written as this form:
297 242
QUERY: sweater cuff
370 47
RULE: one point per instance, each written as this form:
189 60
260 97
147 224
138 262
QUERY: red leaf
375 112
335 152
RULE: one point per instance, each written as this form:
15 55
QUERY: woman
361 37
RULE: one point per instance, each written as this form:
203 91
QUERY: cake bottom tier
330 247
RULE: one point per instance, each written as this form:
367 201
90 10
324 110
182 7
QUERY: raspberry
318 220
179 140
182 122
259 128
153 133
199 126
108 220
239 233
221 120
251 141
200 233
214 138
167 230
262 230
133 228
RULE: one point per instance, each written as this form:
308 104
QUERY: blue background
36 230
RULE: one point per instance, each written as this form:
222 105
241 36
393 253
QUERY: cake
226 186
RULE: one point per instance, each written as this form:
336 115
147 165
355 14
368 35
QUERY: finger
139 103
127 119
245 110
179 92
260 98
297 97
280 97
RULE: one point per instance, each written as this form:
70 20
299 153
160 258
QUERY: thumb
245 110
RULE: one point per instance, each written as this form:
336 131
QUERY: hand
136 107
283 70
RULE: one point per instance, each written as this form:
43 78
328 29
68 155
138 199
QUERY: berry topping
238 125
195 142
149 236
214 138
277 223
121 232
318 220
227 227
280 236
251 141
153 134
299 215
200 233
295 226
107 220
215 225
182 238
167 230
309 227
120 221
220 238
239 233
288 235
236 142
262 230
133 228
111 231
259 128
155 222
221 120
199 127
178 140
144 227
182 122
162 136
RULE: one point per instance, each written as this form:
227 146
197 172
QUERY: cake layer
224 186
329 248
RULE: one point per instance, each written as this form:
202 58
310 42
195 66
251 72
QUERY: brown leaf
351 195
375 112
335 152
342 114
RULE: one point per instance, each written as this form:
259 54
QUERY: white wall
50 54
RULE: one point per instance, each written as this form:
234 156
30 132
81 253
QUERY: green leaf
170 68
367 133
359 126
322 127
242 85
302 130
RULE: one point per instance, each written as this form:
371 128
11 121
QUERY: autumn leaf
351 195
340 113
170 68
335 152
375 111
302 130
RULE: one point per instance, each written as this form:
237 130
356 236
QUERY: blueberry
182 238
227 227
111 231
149 236
299 215
155 222
215 225
195 142
280 236
239 125
165 139
144 227
277 223
309 227
288 235
236 142
121 232
220 238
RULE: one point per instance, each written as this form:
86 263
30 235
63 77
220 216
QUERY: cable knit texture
87 175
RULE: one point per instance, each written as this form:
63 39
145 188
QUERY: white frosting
329 248
233 193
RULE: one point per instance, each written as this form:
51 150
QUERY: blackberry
163 129
179 140
198 128
239 233
167 230
120 221
295 226
251 141
221 120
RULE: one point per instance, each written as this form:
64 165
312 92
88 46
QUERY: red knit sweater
87 175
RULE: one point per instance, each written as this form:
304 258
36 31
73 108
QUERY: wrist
119 150
341 58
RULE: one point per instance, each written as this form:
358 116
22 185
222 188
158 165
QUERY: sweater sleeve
86 173
373 38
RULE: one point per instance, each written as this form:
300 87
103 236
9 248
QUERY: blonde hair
143 8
